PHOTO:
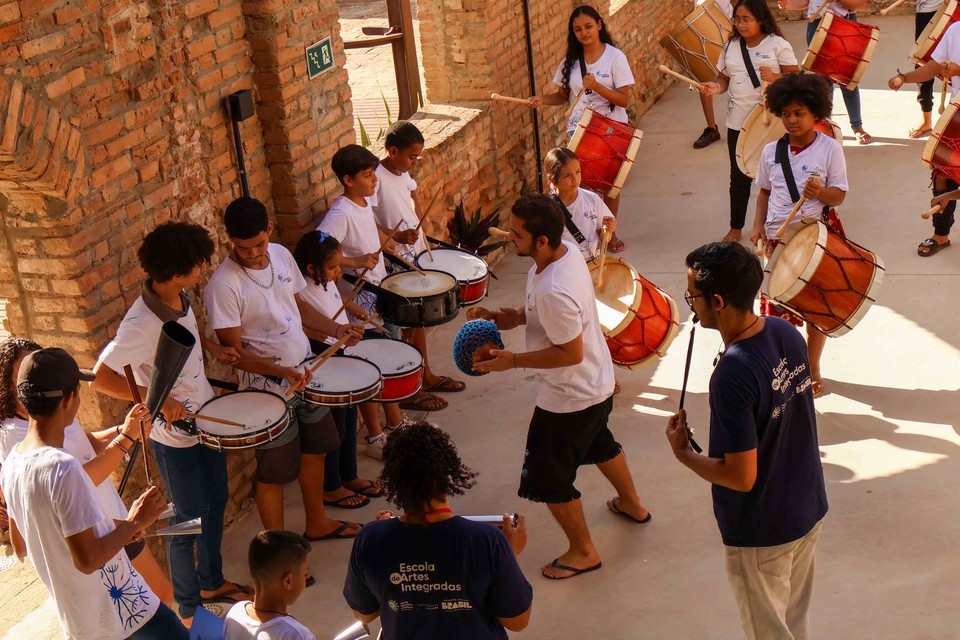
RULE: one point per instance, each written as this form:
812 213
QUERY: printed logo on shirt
416 577
129 594
783 377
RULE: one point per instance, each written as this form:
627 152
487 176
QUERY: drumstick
200 416
497 96
372 320
891 7
761 248
683 389
501 233
425 212
575 101
135 394
359 285
783 228
259 359
323 357
929 212
408 264
603 259
353 294
943 94
763 102
679 76
816 16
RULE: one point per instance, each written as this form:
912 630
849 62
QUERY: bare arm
517 623
232 337
552 357
619 96
737 471
760 218
19 545
110 453
366 618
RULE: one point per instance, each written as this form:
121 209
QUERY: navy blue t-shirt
760 398
449 579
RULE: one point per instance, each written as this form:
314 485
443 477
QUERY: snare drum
755 135
400 364
639 320
841 50
419 300
606 149
342 381
697 41
828 280
471 271
942 151
264 415
947 14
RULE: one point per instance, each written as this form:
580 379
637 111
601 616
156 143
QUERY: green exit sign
319 58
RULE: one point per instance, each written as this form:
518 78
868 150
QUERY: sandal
863 137
919 133
377 491
447 385
616 246
342 501
225 597
420 404
931 246
335 534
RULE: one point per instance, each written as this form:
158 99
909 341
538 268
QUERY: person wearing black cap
76 549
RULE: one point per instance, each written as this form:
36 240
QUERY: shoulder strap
583 72
568 222
748 63
783 159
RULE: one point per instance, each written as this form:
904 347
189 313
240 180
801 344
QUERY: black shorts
557 444
312 431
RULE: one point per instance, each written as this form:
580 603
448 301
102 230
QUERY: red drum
841 50
639 320
828 280
947 14
401 365
471 271
942 151
606 149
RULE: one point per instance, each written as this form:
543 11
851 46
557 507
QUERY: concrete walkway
887 566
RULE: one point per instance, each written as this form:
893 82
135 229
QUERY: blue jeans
850 98
196 481
341 464
164 625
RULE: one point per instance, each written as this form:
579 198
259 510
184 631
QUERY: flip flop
932 246
225 596
574 571
341 501
420 403
613 507
444 385
335 534
365 491
919 133
616 246
863 137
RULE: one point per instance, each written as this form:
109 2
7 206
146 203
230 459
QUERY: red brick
200 7
42 45
110 171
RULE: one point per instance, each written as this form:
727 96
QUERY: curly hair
761 12
174 249
11 350
574 48
312 251
810 90
420 464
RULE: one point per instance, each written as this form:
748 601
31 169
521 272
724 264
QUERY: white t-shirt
269 319
823 159
561 305
587 212
136 344
355 228
772 52
832 7
928 6
725 5
77 444
394 203
612 70
326 302
949 49
51 498
239 625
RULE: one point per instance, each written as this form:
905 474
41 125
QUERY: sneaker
374 448
709 136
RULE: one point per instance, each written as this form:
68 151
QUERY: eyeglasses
743 20
689 297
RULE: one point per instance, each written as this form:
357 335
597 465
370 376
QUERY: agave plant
471 234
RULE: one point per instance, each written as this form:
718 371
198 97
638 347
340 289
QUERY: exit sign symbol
319 58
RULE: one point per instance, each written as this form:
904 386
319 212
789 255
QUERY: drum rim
383 375
629 157
477 280
343 399
667 339
926 35
933 141
801 280
742 140
634 306
430 296
687 22
582 124
219 442
239 391
352 357
867 56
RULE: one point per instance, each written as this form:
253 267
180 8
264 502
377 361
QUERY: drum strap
568 221
583 74
748 63
783 159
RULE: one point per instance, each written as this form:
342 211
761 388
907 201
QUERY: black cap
49 373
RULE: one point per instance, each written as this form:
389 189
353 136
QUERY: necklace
279 613
254 280
427 514
723 350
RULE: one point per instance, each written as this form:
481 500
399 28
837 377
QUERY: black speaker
241 105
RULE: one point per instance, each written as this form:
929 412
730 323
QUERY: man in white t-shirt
253 301
174 256
575 383
76 548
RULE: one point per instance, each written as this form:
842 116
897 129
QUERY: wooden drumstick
373 320
761 248
891 7
943 94
497 96
408 264
575 101
603 258
426 211
359 285
783 228
353 294
929 212
200 416
500 233
135 394
816 16
323 357
679 76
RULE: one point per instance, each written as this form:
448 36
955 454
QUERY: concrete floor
887 561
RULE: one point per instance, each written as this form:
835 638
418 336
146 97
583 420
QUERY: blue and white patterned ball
472 336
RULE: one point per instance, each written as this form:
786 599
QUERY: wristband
122 448
121 433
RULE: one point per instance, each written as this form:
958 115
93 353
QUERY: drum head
754 136
411 284
462 265
619 295
258 410
343 375
792 259
696 42
944 134
391 356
